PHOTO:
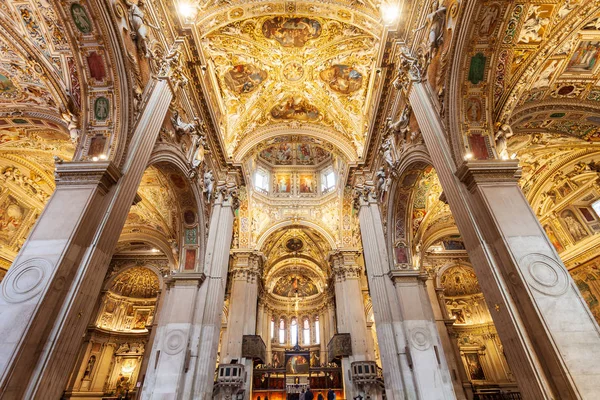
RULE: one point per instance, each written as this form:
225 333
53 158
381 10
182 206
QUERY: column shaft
551 339
390 334
209 309
49 294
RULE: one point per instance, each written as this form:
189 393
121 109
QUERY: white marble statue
436 20
209 183
199 144
182 127
401 125
386 151
501 137
139 25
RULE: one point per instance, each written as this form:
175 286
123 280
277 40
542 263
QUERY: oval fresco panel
80 18
342 78
297 108
101 108
291 32
244 78
8 90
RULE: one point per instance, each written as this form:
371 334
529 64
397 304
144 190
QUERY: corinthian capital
409 70
364 195
227 195
171 67
247 266
344 265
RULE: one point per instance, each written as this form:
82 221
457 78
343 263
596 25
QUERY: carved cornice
475 172
408 276
103 174
185 279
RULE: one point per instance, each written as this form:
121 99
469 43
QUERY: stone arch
291 223
399 208
247 144
152 237
149 266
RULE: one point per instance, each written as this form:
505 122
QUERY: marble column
429 361
49 293
245 275
351 315
267 334
211 298
170 356
393 346
323 339
462 387
550 338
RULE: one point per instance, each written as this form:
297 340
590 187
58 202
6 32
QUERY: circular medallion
174 342
25 280
294 244
420 338
293 71
546 275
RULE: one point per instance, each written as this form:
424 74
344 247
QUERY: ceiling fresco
165 196
292 70
295 284
303 151
24 79
138 282
459 281
313 247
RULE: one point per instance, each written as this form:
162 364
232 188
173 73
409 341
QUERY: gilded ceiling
292 71
459 281
137 282
294 151
24 79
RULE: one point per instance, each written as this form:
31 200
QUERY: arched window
317 332
294 331
272 328
281 331
306 331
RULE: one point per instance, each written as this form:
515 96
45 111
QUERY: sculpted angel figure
139 24
199 144
182 127
386 151
437 23
209 182
401 125
501 137
383 182
72 125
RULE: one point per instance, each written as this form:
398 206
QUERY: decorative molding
475 172
104 174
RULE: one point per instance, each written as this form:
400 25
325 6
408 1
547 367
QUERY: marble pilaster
429 361
211 298
351 314
551 337
397 373
49 294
